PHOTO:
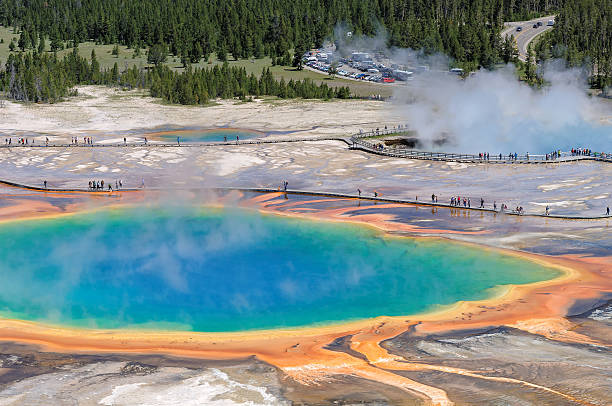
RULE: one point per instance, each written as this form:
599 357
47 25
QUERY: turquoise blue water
232 269
209 135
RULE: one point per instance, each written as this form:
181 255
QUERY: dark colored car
539 23
535 26
519 28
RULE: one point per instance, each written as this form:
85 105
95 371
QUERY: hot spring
211 269
211 135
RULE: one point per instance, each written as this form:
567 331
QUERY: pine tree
41 45
23 41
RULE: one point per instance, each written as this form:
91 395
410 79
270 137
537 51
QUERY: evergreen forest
466 30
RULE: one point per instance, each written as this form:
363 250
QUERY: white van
373 70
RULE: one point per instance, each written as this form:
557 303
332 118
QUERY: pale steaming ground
120 383
104 110
573 188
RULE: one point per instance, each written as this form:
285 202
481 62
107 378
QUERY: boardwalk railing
409 202
183 143
366 141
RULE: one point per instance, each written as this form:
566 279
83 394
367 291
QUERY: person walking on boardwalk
608 211
359 192
547 209
45 182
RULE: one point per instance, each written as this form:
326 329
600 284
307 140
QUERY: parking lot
363 66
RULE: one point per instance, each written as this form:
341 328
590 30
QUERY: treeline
197 86
43 77
583 37
467 30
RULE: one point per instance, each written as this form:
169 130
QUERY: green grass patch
126 59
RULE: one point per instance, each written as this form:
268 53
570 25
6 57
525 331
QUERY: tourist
359 192
120 185
124 141
481 203
45 182
102 184
142 185
178 141
433 198
375 193
469 203
608 211
494 205
547 210
89 185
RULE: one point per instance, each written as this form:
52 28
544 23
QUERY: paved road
524 37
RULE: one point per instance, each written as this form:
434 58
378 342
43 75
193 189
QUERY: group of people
237 138
457 201
581 151
553 155
20 141
75 141
485 156
512 157
99 185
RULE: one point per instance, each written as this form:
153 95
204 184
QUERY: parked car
535 26
539 23
519 29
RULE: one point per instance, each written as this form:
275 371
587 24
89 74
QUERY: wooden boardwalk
408 202
363 142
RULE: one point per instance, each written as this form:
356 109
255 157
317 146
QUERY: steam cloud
491 111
